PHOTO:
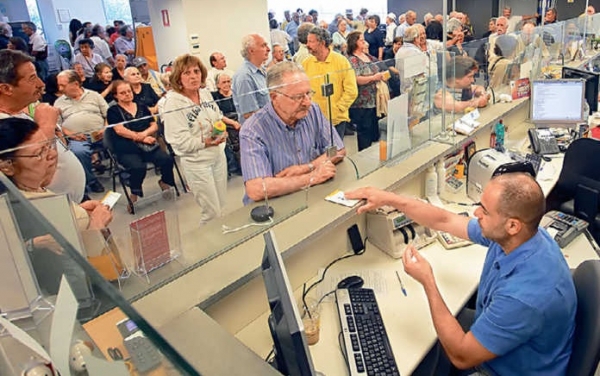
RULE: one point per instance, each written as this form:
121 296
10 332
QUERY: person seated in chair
84 116
524 317
30 168
461 94
133 142
101 82
143 94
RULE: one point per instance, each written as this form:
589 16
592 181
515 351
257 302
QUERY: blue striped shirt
268 145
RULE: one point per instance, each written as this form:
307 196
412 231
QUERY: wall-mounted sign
165 18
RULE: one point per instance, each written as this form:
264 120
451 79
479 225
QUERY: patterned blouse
366 93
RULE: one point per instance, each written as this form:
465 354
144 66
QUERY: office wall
169 41
15 10
220 26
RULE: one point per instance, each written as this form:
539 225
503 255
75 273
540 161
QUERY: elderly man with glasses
284 146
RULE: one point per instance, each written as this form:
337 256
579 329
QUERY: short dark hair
96 29
463 65
273 24
87 41
434 31
322 35
376 18
212 59
10 61
15 131
123 30
521 198
30 25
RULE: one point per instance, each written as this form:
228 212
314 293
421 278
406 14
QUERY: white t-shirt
101 48
37 41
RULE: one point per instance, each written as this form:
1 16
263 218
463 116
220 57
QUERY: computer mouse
352 282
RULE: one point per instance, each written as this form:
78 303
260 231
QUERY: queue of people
291 136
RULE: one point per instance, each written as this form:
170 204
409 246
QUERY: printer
487 163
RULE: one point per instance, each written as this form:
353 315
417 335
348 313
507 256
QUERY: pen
401 284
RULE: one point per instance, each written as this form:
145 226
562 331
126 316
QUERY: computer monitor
557 103
592 81
292 356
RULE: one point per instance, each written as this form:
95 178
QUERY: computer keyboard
368 350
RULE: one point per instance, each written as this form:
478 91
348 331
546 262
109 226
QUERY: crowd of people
283 130
361 58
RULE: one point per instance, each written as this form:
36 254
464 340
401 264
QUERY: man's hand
46 117
47 242
323 172
416 266
100 217
375 198
295 170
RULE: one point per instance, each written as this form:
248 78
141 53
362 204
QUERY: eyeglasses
43 154
298 97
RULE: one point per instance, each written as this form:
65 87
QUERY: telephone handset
543 141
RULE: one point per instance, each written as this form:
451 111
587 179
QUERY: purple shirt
268 145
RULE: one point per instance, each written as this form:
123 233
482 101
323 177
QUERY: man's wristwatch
311 167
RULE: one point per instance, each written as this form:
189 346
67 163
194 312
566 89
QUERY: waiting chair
118 171
577 191
586 340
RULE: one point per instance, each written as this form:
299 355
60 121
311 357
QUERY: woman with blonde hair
193 127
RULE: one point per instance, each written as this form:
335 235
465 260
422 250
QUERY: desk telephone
568 226
143 355
543 141
391 231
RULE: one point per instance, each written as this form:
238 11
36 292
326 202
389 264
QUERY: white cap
392 16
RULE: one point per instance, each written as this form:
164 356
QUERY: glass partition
46 268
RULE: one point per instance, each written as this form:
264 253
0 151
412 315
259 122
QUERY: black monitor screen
292 356
592 81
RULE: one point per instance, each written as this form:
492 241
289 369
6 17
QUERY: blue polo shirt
249 86
526 304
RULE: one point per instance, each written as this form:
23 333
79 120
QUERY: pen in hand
401 284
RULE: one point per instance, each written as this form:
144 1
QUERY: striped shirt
268 145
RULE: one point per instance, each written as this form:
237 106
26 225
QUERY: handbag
146 147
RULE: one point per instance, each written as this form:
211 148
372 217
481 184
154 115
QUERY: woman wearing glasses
193 127
30 168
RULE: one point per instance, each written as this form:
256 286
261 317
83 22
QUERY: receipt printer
391 231
563 227
487 163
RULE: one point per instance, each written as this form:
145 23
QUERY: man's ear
513 226
6 167
6 89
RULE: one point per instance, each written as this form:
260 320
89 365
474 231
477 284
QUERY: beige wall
220 26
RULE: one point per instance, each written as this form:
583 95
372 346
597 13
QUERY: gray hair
128 71
5 29
10 60
322 35
71 76
277 73
248 42
411 33
453 24
303 31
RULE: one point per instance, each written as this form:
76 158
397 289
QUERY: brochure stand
155 238
104 255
